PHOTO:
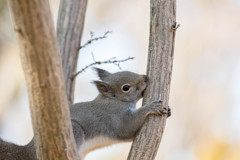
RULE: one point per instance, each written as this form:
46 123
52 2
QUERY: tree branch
53 136
109 61
94 39
159 70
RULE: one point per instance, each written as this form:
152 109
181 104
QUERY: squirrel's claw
169 112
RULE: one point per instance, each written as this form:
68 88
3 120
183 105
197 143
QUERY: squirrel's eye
126 87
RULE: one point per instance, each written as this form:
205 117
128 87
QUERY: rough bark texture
43 72
159 69
69 32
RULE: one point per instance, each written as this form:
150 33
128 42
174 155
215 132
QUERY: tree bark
70 25
159 70
40 58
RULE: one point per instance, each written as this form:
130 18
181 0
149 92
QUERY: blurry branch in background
94 39
3 4
69 37
3 33
159 70
109 61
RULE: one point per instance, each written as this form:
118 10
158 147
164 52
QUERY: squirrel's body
100 130
10 151
110 118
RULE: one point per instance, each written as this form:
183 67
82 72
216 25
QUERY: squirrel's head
124 86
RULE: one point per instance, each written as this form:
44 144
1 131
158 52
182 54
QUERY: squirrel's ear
104 88
102 74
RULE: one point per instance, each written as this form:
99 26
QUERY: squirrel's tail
10 151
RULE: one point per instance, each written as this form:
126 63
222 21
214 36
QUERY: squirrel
112 117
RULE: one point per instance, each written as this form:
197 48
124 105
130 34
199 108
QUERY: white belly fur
95 143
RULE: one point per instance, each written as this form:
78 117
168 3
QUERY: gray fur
110 118
101 73
10 151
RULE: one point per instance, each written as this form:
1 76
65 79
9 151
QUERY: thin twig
94 39
111 60
93 57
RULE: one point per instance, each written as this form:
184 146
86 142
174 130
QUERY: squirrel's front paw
156 107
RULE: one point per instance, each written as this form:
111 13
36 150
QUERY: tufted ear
104 88
102 74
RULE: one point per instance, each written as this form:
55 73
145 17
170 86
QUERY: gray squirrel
112 117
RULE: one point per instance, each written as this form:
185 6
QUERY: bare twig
91 34
94 39
111 60
93 57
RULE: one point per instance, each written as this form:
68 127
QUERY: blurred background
205 87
